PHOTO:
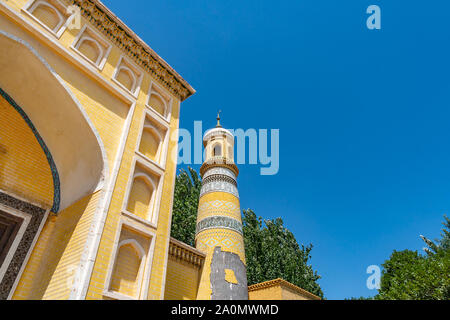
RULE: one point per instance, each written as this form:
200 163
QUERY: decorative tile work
219 186
218 208
229 240
221 171
219 222
37 214
54 170
220 177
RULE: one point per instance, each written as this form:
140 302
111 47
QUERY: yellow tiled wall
271 293
125 278
24 168
50 271
182 280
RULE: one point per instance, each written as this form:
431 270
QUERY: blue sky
363 115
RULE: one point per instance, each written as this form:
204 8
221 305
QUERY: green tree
439 244
408 275
185 204
271 249
273 252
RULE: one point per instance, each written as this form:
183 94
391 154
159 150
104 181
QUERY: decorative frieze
219 222
219 186
221 171
219 177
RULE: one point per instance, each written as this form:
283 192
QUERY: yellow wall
162 231
125 277
25 174
271 293
51 268
140 196
279 289
276 293
289 294
182 280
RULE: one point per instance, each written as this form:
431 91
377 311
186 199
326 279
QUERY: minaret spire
218 119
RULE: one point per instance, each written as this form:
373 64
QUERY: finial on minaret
218 119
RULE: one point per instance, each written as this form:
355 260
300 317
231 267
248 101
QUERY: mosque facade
88 132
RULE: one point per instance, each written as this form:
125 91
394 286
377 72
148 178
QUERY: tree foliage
408 275
271 249
273 252
185 204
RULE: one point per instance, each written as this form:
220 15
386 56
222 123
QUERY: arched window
127 274
141 196
217 150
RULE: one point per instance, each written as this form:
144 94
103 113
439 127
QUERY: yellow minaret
219 223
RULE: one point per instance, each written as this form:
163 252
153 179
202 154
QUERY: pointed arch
136 245
146 178
78 161
141 195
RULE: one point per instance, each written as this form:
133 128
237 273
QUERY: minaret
219 223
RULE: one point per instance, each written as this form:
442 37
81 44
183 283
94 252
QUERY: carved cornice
115 30
182 252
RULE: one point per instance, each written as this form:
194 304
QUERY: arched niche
48 15
141 195
91 49
127 78
127 273
158 103
151 142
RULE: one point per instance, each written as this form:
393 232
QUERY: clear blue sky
363 115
